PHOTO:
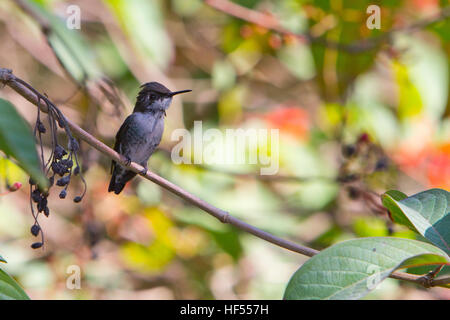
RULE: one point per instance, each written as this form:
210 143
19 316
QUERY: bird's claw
143 172
127 161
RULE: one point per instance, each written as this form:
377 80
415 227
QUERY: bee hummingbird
141 131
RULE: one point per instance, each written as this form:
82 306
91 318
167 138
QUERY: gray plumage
141 132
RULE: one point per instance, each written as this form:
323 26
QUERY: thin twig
9 79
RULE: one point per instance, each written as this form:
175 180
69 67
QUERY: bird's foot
127 161
143 172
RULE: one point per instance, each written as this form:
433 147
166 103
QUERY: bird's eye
153 96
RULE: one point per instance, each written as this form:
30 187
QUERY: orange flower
426 4
431 164
438 167
289 119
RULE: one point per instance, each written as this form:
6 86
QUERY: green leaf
352 268
398 218
229 242
370 227
346 65
225 237
426 81
143 23
427 213
223 75
396 195
410 103
186 8
17 141
10 289
299 60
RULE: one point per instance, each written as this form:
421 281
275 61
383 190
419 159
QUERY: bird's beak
178 92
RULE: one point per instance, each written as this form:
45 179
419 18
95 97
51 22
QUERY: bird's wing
119 137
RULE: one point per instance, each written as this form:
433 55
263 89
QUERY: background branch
18 85
272 23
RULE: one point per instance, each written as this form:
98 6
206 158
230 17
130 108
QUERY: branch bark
9 79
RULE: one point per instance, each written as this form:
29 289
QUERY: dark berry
41 127
56 167
67 163
348 150
59 169
42 205
35 230
77 199
382 164
59 152
37 245
63 181
36 195
353 193
364 138
63 194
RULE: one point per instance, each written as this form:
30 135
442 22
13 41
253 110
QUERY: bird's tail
115 186
119 179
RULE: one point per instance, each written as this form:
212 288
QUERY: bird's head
154 97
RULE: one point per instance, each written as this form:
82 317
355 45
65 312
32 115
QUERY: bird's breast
144 136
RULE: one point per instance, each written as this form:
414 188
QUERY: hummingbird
141 132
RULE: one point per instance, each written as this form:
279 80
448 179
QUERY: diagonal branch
18 85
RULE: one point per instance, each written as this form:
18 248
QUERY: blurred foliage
148 243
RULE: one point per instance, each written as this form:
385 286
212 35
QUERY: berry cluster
60 167
362 160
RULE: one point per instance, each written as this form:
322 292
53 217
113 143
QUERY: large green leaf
10 289
352 268
17 141
427 213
